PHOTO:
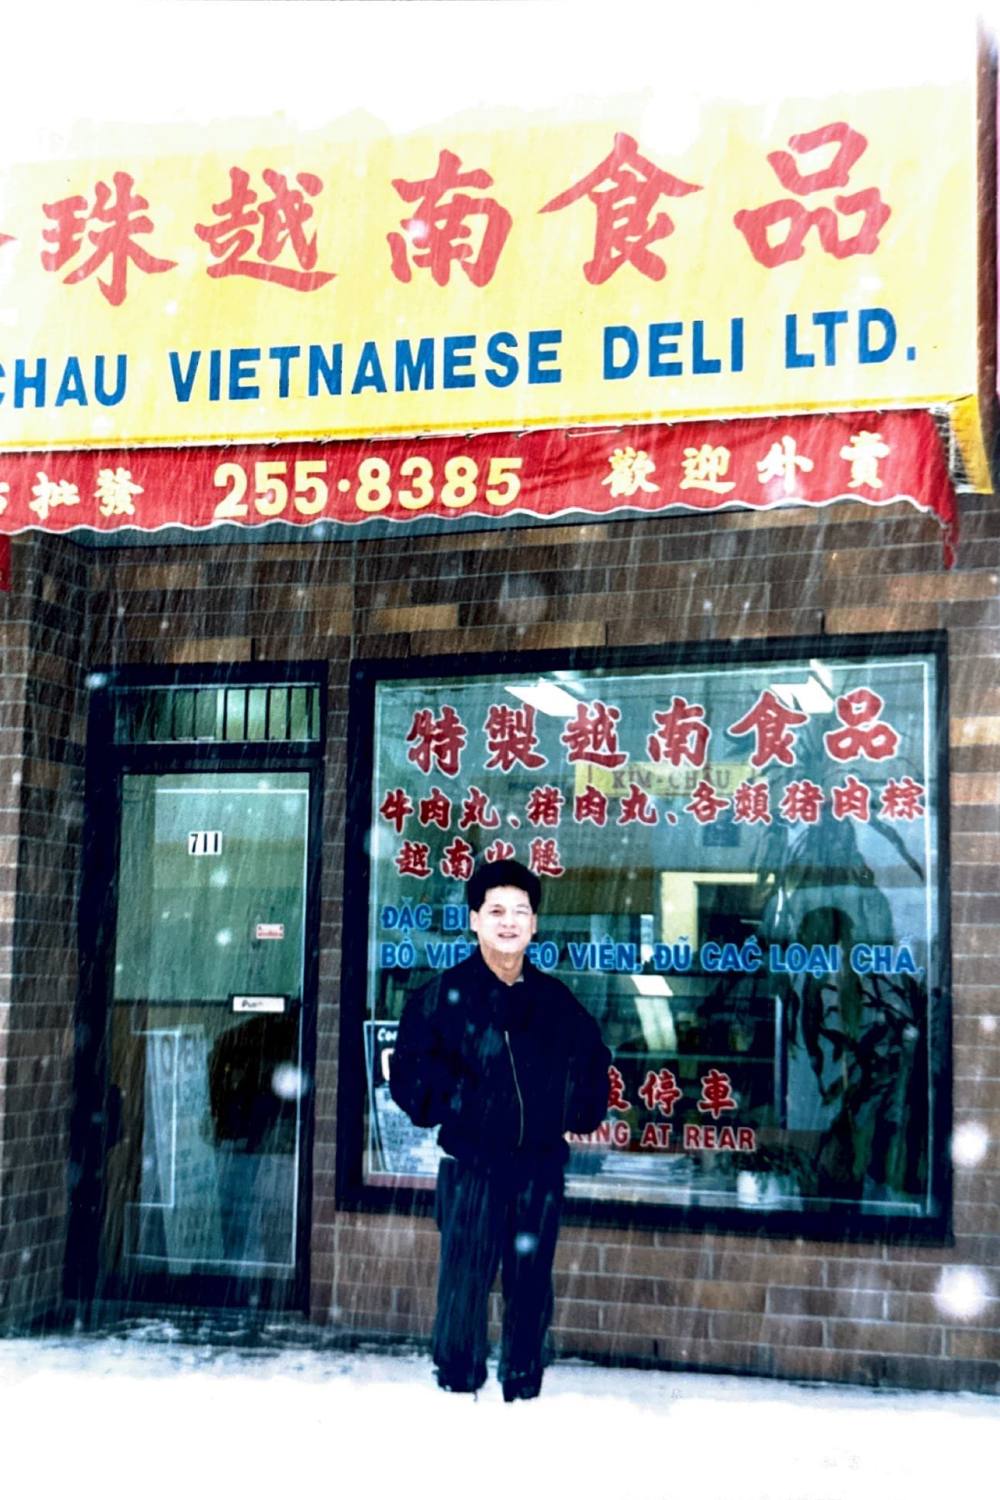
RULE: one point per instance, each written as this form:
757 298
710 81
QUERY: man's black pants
489 1218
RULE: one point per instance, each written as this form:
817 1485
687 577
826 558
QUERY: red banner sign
497 478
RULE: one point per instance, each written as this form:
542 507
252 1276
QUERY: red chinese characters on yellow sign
448 226
248 236
625 189
110 223
798 219
458 219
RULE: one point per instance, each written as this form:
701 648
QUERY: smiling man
505 1060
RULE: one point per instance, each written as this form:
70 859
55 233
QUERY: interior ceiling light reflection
545 697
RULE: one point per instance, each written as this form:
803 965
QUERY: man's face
505 923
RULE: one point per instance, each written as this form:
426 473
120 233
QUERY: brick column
42 730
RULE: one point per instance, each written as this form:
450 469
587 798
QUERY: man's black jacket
504 1070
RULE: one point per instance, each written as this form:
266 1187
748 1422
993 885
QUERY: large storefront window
741 861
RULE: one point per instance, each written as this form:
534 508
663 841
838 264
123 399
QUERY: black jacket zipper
517 1087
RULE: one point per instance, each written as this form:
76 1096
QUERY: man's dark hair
486 877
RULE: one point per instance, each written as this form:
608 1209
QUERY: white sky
412 62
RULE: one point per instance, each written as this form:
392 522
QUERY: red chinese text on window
457 863
412 859
250 235
864 734
771 722
544 806
477 812
117 215
625 189
801 802
716 1093
681 734
591 806
436 740
706 804
851 800
752 802
448 226
902 799
616 1091
395 808
637 807
544 857
511 739
592 736
435 809
755 223
499 849
660 1091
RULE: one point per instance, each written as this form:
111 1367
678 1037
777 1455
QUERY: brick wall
41 809
862 1313
744 1303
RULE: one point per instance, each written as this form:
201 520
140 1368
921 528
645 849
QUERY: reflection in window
740 878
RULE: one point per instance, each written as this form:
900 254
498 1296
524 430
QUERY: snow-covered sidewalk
126 1416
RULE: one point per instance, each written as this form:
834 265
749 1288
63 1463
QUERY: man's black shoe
459 1381
521 1387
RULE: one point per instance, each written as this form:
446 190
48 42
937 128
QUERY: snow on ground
120 1417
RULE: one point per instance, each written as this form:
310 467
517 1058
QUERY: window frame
845 1223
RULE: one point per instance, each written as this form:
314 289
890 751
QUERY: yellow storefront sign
813 256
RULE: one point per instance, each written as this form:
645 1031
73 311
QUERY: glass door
202 1168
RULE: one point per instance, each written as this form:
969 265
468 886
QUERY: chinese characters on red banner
497 479
113 494
456 219
678 735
